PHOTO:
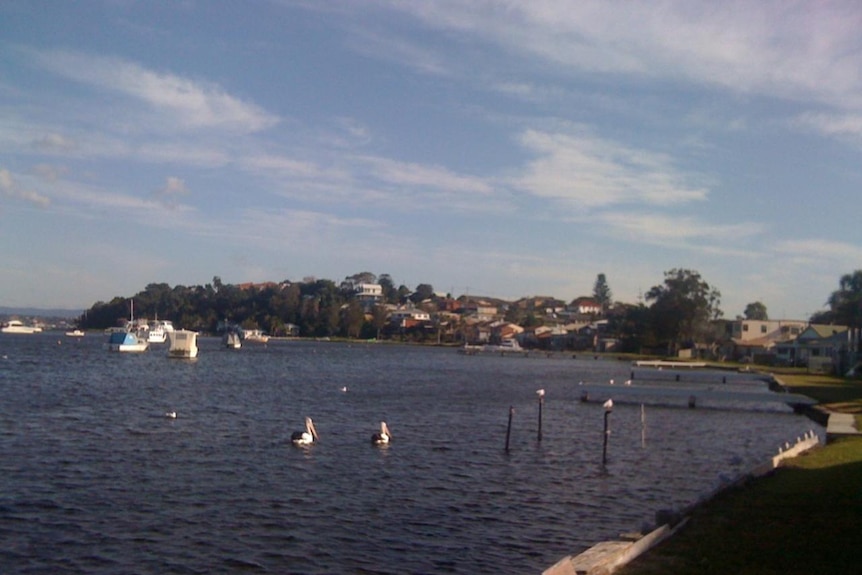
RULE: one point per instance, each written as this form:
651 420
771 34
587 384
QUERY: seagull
171 415
540 392
344 389
608 405
627 382
383 436
306 437
611 381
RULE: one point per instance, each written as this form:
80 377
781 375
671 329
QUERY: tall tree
756 310
846 302
682 308
601 292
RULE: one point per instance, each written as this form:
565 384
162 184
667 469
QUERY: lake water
95 479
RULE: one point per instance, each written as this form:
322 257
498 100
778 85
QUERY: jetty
667 363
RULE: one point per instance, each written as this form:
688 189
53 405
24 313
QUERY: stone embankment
606 557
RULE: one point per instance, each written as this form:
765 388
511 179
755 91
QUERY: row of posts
608 407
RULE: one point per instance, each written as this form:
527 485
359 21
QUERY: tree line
682 311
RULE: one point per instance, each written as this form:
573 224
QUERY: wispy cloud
818 250
194 104
801 51
10 188
424 176
590 172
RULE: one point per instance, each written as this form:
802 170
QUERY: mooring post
609 407
541 394
509 428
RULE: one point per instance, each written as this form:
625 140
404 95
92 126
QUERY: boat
156 333
75 333
132 338
232 340
128 341
183 344
254 335
15 326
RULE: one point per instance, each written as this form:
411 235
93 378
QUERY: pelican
383 436
306 437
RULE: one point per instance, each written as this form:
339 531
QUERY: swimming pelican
383 436
306 437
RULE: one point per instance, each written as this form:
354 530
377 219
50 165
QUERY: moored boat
232 340
75 333
16 326
126 341
183 344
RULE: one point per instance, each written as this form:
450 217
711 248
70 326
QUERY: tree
601 292
682 308
845 304
756 310
423 292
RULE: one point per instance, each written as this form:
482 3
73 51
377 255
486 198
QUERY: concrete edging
604 558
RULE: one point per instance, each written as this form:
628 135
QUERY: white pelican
306 437
383 436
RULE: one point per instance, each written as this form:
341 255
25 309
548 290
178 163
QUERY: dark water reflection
94 478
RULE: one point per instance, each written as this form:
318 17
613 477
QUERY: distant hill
40 312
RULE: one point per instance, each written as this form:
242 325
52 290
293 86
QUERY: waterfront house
822 348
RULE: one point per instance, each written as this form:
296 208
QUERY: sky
497 148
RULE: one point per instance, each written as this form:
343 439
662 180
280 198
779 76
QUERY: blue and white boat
126 341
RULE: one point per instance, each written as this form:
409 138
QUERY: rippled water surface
95 479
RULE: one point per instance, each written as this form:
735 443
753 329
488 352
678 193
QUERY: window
763 329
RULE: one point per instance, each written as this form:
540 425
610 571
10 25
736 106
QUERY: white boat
126 341
15 326
232 340
157 333
183 344
254 335
507 345
75 333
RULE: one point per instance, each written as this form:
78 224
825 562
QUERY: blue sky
485 147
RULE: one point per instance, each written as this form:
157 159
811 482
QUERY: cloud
169 194
10 188
819 250
590 172
423 176
194 104
54 143
833 124
801 51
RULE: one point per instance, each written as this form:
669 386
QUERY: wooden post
509 428
541 394
609 406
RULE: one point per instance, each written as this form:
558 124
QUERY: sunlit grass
806 517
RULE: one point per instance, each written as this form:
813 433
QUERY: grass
806 517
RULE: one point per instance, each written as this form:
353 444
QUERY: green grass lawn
806 517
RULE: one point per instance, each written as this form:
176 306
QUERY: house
750 338
822 348
585 306
368 294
